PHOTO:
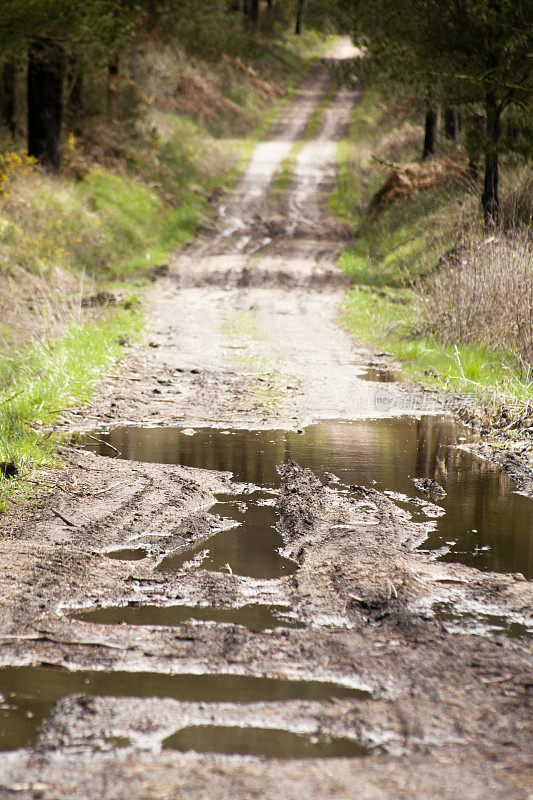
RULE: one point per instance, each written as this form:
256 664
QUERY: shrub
482 291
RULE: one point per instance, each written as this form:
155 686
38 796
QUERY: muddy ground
245 333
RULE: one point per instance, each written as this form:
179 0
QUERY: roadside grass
388 320
398 302
46 378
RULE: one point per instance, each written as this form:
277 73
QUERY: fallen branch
385 161
103 441
65 519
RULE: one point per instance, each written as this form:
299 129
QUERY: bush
482 291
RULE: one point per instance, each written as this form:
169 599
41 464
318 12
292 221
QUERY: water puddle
486 524
128 554
265 742
29 693
255 617
250 548
377 375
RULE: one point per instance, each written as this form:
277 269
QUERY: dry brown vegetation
406 180
483 291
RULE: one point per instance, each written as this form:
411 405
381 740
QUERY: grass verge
46 378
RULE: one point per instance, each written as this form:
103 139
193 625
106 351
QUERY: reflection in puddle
377 375
28 693
486 525
254 616
269 743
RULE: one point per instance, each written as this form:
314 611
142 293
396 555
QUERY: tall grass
45 378
482 290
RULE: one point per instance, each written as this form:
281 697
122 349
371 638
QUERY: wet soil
481 520
244 335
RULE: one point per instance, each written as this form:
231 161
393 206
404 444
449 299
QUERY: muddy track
244 334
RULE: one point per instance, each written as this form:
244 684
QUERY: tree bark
112 83
74 102
254 12
474 135
431 131
490 199
451 123
9 76
46 70
300 14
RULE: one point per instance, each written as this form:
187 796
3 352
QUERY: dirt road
245 334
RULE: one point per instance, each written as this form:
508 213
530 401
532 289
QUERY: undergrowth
452 303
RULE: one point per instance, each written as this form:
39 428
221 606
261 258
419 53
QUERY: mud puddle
268 743
481 521
377 375
250 548
128 554
253 616
29 693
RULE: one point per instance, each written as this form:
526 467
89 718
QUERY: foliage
466 53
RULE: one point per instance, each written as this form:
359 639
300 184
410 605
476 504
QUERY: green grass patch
137 227
388 319
47 378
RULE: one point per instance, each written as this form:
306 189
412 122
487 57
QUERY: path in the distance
252 304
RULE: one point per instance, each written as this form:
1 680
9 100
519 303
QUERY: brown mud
244 334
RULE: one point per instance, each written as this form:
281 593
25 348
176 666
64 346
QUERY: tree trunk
135 61
473 138
254 12
300 14
431 132
9 76
46 69
451 123
490 199
112 83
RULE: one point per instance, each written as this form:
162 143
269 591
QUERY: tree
47 28
431 131
46 70
477 49
300 14
9 76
